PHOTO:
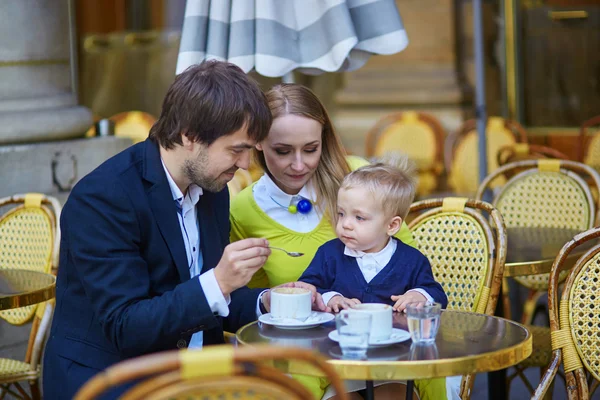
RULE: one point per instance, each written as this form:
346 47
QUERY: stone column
38 100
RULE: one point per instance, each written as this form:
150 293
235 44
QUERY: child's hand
338 303
403 300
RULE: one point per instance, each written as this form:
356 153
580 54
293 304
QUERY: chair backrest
466 255
418 135
240 181
134 125
545 193
461 150
215 372
589 142
526 151
29 239
574 322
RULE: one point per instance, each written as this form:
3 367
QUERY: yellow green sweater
248 220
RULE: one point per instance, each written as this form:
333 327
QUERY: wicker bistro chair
460 151
29 239
466 253
575 321
418 135
544 193
215 372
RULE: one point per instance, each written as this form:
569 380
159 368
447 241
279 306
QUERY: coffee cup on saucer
381 319
294 303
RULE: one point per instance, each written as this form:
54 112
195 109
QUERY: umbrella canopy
275 37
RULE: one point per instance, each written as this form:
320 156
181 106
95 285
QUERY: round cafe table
20 288
466 343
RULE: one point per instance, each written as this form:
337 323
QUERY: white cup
290 303
381 319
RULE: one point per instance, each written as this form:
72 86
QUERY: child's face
362 224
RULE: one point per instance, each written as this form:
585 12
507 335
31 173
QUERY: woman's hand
412 296
339 302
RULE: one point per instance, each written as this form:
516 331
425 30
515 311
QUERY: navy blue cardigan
332 270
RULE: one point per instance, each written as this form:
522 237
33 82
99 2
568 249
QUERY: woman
304 160
303 156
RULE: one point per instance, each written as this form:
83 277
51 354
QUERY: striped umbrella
275 37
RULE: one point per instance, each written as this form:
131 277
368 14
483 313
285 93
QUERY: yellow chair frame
215 372
447 232
574 322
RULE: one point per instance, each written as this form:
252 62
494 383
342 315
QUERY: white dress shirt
274 202
370 264
188 222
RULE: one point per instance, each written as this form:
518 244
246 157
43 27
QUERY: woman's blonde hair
391 179
299 100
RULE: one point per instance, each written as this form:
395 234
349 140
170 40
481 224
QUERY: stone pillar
423 77
38 100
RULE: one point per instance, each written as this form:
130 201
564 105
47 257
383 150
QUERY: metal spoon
289 253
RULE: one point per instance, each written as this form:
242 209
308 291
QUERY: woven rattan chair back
29 240
466 257
216 372
545 193
466 253
589 142
418 135
574 320
461 150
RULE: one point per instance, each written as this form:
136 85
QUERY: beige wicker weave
544 193
466 254
216 373
29 239
575 320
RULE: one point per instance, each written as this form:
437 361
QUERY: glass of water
423 321
353 330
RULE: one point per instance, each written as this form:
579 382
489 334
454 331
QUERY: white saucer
315 319
397 336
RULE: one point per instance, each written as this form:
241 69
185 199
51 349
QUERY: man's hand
338 303
239 262
411 296
317 300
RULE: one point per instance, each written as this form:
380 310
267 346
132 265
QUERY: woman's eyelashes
283 152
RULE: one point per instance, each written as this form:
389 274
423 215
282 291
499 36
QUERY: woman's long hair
299 100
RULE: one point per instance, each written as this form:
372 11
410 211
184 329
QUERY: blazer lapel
164 209
209 238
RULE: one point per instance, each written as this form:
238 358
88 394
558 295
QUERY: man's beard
196 172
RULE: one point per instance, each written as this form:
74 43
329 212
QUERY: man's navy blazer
123 286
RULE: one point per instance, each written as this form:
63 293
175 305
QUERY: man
145 263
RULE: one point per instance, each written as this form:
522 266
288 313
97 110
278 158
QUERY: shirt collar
283 198
382 257
194 191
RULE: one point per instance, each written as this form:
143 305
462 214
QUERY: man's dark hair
210 100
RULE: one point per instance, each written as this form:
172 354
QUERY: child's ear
394 226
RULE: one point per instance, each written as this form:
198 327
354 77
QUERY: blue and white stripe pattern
275 37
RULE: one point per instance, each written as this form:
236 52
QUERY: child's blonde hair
390 179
